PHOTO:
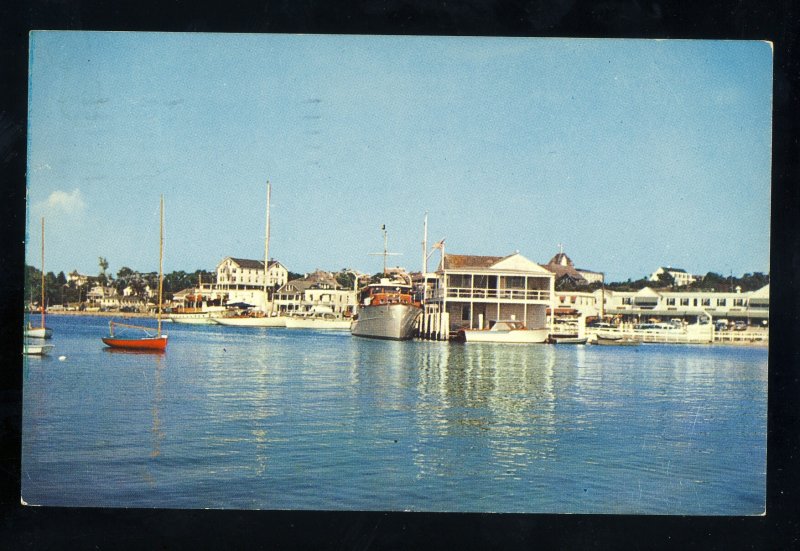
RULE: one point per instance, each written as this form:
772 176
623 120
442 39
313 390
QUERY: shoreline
139 315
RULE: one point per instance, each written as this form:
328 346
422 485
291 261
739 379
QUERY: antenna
385 252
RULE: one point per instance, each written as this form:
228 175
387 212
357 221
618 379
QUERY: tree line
712 281
60 290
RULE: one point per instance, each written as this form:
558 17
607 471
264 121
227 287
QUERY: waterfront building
473 290
242 280
566 272
679 276
315 291
102 298
577 303
751 307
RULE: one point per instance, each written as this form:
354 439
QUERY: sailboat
262 318
148 342
40 332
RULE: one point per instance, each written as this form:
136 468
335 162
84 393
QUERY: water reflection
497 397
158 399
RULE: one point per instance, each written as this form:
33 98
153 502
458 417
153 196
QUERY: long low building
751 307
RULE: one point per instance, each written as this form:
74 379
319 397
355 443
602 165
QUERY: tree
125 273
102 277
665 279
345 279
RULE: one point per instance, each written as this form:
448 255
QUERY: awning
239 305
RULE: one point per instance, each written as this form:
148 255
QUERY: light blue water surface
294 419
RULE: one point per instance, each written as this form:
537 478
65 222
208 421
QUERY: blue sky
632 153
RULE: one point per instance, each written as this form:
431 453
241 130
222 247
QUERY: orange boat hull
150 343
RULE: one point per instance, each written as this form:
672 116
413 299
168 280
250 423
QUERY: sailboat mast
385 248
266 248
43 272
160 264
425 246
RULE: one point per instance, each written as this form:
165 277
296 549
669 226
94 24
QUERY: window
721 302
627 300
465 312
705 302
684 302
738 302
670 302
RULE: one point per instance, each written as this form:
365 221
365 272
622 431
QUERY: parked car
740 326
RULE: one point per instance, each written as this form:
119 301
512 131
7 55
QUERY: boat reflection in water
505 331
510 394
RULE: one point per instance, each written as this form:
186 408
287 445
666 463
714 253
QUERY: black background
47 528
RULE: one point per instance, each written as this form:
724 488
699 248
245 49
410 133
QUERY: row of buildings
471 289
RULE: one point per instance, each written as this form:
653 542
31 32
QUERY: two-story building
313 291
102 298
242 280
473 290
679 276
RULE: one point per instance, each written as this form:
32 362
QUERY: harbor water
251 418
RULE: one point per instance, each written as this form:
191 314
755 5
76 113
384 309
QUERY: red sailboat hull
146 343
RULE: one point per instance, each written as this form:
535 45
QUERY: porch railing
491 294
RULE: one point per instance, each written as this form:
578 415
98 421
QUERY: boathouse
469 291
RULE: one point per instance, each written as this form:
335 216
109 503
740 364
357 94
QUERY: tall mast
160 264
425 246
42 271
385 247
385 252
266 248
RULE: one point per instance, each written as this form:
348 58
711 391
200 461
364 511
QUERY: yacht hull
386 321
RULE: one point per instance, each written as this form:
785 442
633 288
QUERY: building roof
461 261
561 259
562 266
250 264
310 281
514 263
676 270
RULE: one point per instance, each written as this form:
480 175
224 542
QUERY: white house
242 280
315 290
79 279
104 298
680 276
476 289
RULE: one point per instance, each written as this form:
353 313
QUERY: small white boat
556 339
37 349
617 340
508 331
321 318
186 316
251 320
38 332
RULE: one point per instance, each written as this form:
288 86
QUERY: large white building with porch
242 280
473 290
